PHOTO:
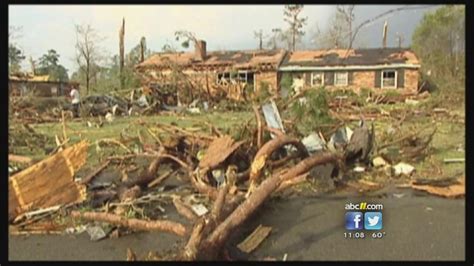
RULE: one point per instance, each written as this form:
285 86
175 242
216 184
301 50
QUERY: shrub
313 113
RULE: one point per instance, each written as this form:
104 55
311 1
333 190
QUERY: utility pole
384 35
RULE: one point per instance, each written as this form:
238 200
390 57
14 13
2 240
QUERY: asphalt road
310 228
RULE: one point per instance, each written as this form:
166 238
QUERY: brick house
379 69
214 72
39 86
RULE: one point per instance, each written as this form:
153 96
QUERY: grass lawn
448 142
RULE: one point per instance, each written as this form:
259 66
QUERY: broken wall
268 77
411 80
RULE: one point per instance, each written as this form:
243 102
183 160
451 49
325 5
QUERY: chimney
200 50
384 35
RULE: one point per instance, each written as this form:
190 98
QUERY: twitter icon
373 220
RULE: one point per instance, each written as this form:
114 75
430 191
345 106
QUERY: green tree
48 65
15 56
439 41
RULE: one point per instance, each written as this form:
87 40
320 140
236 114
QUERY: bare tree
291 13
259 35
400 39
14 32
186 36
142 49
122 52
87 49
339 29
347 13
273 39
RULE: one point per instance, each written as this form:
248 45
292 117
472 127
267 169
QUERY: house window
317 79
223 78
389 79
341 78
240 77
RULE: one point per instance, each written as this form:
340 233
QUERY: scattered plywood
254 239
48 183
455 190
218 151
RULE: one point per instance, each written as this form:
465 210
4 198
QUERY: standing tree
15 55
337 33
142 49
138 53
259 36
347 14
48 65
291 13
439 41
87 56
121 51
273 40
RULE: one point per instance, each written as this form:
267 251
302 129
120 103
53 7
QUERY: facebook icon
354 220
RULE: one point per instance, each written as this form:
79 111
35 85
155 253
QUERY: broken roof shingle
344 57
237 59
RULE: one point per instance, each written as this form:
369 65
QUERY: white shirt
75 96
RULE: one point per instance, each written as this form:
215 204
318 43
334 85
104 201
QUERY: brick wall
411 79
366 79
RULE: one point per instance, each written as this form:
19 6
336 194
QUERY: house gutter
353 67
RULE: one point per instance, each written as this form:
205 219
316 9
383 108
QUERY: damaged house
40 86
377 68
238 73
215 73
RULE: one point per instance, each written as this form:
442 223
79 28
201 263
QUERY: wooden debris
218 151
267 149
48 183
137 224
254 239
289 183
161 178
184 210
454 160
259 126
455 190
131 256
19 159
99 169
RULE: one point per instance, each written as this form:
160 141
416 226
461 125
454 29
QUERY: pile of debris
219 180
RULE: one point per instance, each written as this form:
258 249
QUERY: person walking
76 100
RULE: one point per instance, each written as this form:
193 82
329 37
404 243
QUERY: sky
224 27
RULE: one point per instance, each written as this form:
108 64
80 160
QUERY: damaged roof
29 78
236 59
344 57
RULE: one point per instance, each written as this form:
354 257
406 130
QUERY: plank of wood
19 159
254 239
48 183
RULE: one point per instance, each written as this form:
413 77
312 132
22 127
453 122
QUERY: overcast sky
229 27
